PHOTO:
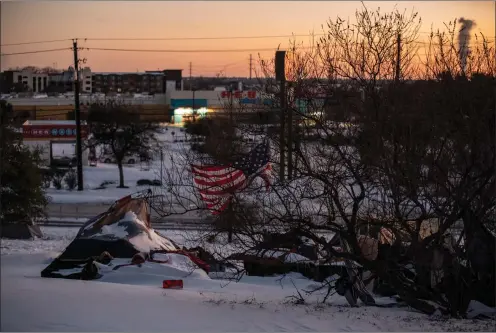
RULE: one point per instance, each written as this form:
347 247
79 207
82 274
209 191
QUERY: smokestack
464 40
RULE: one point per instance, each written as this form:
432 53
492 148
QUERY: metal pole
194 112
77 116
161 164
282 143
251 66
290 143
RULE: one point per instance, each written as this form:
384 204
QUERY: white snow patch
137 303
145 241
117 231
69 271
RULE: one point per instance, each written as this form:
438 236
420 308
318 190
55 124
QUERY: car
130 159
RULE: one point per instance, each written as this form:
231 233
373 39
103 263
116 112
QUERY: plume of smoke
464 40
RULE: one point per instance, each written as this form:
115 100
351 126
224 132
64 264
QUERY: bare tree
117 125
392 154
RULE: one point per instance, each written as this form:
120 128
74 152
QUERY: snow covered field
132 300
95 176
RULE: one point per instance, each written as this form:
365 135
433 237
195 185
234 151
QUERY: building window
34 84
87 82
87 88
19 78
45 82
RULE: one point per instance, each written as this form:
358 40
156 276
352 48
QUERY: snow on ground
95 176
133 300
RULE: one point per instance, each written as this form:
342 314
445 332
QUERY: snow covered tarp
120 237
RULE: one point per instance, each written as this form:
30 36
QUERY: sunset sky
41 21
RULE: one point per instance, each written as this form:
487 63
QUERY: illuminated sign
52 131
239 94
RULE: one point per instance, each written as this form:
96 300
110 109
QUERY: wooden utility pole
77 116
251 66
398 58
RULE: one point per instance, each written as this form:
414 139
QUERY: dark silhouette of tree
117 125
21 195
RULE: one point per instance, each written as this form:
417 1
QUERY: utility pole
398 58
77 116
251 59
190 75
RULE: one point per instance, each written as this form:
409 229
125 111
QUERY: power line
199 38
187 38
37 51
212 50
38 42
180 51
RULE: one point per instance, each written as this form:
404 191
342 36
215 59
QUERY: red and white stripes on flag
217 184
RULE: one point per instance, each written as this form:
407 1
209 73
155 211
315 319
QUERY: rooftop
51 122
127 73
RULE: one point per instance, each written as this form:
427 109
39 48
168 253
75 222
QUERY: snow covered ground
95 176
133 299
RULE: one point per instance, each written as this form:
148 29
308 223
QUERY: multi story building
29 80
35 81
118 82
152 82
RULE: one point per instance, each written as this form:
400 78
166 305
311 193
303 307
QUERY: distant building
36 81
151 82
32 81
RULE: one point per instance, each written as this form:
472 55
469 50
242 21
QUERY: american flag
217 184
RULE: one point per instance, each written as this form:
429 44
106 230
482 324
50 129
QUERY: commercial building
184 105
43 134
151 108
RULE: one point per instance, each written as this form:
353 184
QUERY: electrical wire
38 42
180 51
200 38
208 50
37 51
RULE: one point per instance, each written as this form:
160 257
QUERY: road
64 214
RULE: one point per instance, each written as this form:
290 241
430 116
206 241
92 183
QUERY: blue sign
62 131
54 132
188 103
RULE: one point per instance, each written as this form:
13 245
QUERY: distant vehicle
64 161
130 159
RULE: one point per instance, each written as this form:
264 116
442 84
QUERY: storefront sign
52 131
251 94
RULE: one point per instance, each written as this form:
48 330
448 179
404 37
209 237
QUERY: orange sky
38 21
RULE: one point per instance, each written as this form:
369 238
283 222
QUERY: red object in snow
203 265
172 284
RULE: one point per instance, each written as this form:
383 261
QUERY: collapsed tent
124 232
